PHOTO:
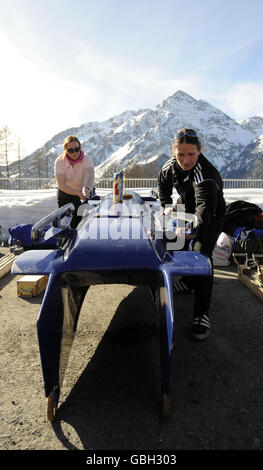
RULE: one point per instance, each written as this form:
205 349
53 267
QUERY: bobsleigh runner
126 243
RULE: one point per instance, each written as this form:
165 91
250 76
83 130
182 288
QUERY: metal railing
243 183
27 183
106 183
130 183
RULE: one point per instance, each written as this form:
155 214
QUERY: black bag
240 214
249 243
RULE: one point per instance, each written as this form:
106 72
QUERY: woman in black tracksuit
200 188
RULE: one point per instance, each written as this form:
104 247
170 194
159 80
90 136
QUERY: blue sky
67 62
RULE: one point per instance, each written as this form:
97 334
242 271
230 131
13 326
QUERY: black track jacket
201 190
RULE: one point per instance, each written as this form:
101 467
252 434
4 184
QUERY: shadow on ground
216 398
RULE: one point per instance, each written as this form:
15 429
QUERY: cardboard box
31 286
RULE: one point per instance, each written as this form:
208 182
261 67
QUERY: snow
150 160
260 142
250 195
122 152
27 207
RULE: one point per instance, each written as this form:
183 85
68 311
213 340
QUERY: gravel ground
110 396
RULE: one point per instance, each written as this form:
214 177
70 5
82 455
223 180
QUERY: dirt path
110 396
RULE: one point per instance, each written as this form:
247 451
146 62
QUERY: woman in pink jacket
74 172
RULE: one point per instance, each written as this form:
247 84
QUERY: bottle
118 187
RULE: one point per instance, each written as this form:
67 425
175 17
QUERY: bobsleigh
127 243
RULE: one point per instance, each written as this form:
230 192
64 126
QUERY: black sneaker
201 326
251 264
180 287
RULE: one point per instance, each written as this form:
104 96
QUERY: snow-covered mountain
254 124
141 141
249 164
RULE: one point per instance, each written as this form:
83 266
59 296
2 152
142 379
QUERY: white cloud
243 100
126 85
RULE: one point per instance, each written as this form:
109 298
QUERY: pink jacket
73 178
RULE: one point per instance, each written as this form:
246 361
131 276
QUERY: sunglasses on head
76 149
186 134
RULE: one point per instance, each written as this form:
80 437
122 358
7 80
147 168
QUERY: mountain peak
177 98
181 95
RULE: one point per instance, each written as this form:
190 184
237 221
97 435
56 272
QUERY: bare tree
46 157
36 165
19 156
39 165
6 145
19 159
